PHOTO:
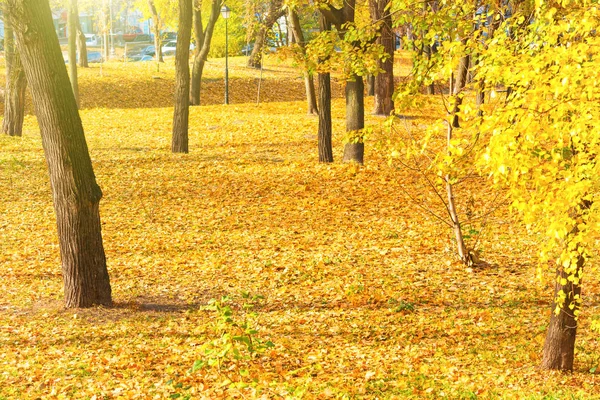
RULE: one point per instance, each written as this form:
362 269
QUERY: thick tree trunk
75 192
81 46
16 84
182 79
203 40
559 347
309 84
274 12
156 30
355 120
384 81
72 31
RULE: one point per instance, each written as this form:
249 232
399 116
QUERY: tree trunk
274 12
324 136
559 347
203 40
156 28
81 46
16 84
182 79
384 81
458 87
355 120
75 192
370 84
309 84
72 31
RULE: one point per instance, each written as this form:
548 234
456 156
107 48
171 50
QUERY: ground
361 294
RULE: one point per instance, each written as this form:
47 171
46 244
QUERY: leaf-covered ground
363 297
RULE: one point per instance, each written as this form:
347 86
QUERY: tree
156 29
81 46
324 135
73 18
16 84
272 14
354 149
309 84
203 38
75 192
384 80
182 78
544 145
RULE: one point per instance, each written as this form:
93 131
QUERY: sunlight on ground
363 297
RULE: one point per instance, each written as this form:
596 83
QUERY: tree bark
75 192
16 84
459 85
430 89
274 12
370 84
72 32
355 120
309 84
384 81
156 28
81 46
182 79
325 132
559 347
203 40
324 136
355 89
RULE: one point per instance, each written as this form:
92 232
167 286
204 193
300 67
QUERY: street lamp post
225 11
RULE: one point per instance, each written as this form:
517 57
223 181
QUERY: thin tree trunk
75 192
156 28
324 136
355 120
309 84
203 40
384 81
274 12
461 248
81 46
182 79
72 31
370 84
459 85
16 84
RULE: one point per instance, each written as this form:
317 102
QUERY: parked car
92 57
247 49
149 51
142 38
92 39
169 47
132 33
168 36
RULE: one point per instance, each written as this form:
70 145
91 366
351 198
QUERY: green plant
237 343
